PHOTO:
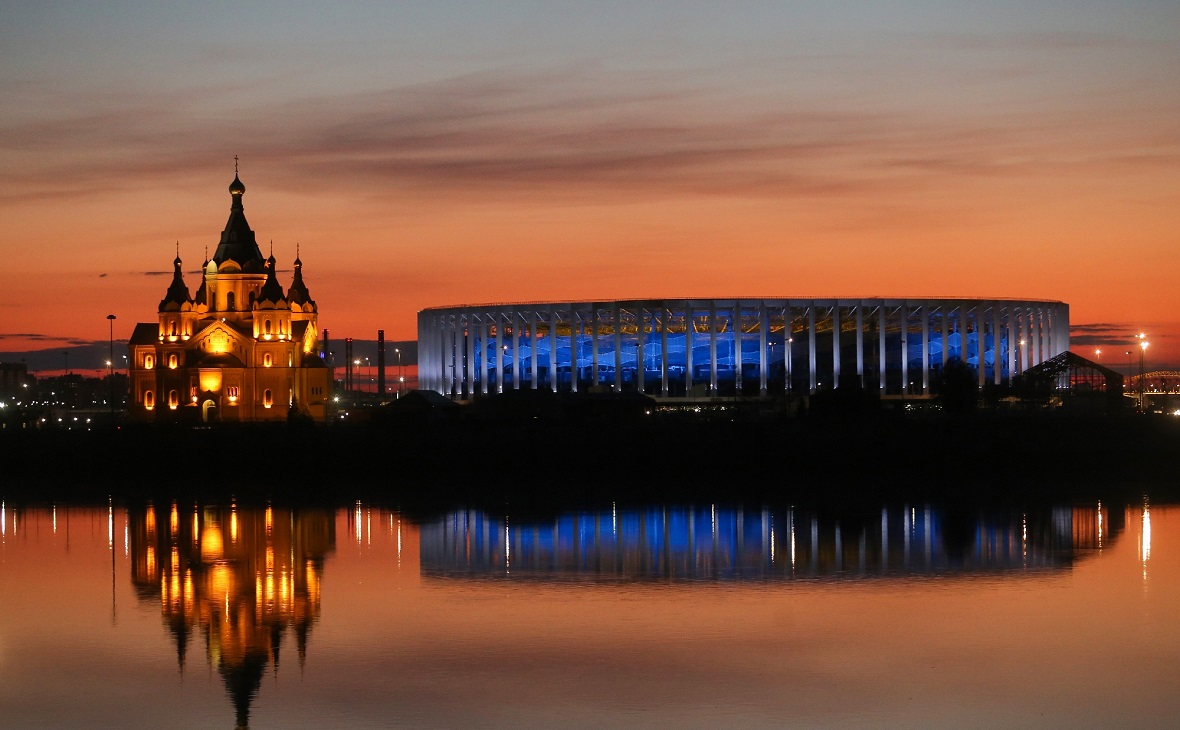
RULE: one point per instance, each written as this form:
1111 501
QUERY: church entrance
208 411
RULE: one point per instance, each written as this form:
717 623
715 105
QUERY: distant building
14 378
240 349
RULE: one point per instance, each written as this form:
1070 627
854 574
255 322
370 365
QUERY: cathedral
240 349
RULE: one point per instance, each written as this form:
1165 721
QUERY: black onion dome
202 292
298 293
237 240
177 292
271 291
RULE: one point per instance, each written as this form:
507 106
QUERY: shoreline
547 462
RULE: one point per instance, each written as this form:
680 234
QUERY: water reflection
716 543
236 585
1145 538
242 578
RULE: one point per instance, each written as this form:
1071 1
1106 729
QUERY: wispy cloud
558 133
57 341
1105 333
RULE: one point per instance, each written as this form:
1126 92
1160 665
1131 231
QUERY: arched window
266 327
267 360
172 329
173 399
173 361
148 362
229 301
149 399
268 398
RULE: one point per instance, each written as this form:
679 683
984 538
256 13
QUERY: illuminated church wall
242 348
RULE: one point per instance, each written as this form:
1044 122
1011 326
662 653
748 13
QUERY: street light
111 364
400 378
1143 343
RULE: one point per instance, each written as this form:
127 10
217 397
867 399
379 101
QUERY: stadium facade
715 348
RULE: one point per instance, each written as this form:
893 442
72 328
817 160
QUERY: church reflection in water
714 543
241 578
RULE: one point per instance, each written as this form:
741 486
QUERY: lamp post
400 379
787 362
111 364
369 373
1143 343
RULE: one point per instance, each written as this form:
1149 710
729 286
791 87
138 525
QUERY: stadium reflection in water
713 543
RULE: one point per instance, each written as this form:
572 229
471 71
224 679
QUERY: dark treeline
544 461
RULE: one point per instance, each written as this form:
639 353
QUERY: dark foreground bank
572 462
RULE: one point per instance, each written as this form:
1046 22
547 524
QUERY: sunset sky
426 154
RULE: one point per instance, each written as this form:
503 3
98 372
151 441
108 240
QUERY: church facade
240 349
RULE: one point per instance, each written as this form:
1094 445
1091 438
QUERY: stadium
700 349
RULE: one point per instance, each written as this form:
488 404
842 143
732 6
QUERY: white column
735 319
788 346
836 345
515 315
1047 332
1063 324
1037 357
925 309
618 321
594 342
905 347
553 349
713 350
881 346
470 364
438 359
689 328
498 359
665 315
640 347
1013 343
453 355
442 359
811 345
945 310
763 333
980 345
533 347
997 351
575 336
860 344
442 381
485 329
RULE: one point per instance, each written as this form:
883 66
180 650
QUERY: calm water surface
211 616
